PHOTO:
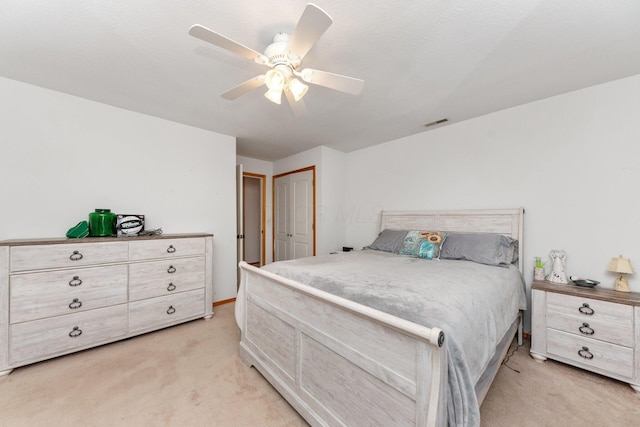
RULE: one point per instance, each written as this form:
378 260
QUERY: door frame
273 206
263 213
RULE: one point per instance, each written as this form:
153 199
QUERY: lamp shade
297 88
621 265
275 80
274 96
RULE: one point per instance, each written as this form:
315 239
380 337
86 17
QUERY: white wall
331 207
62 156
571 161
307 158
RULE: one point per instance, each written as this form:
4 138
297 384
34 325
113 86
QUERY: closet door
294 216
301 224
281 218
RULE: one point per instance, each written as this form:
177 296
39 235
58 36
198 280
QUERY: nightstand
590 328
345 249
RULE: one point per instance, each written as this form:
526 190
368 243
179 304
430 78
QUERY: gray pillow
388 241
483 248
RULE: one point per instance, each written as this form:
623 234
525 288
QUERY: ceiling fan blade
332 81
203 33
312 24
243 88
298 108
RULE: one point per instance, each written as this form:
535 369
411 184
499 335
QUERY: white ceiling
421 61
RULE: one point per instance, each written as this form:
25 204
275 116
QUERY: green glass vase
102 222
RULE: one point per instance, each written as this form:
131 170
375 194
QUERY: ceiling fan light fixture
275 80
284 57
298 89
274 95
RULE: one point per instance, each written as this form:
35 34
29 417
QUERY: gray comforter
474 304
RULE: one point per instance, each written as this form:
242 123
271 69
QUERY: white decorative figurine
557 274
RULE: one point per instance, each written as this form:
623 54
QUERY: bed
334 336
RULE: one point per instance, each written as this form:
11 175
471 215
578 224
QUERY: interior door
281 218
294 215
301 225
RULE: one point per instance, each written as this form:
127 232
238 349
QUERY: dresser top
59 240
628 298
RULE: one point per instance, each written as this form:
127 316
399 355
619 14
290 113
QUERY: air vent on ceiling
437 122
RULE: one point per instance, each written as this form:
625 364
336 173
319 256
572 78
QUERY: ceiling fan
284 58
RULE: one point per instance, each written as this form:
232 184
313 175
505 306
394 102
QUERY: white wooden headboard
508 222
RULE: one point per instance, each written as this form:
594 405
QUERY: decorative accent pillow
388 241
423 244
426 249
483 248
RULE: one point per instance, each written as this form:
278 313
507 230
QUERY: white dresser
58 296
591 328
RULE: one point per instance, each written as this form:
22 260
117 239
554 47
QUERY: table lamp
622 266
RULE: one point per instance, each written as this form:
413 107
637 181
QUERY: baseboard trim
226 301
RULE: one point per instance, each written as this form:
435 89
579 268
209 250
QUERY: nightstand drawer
605 356
594 328
47 294
590 309
166 248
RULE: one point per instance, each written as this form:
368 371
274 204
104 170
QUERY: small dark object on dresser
584 282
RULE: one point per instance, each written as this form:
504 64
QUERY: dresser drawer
58 335
595 328
166 248
601 355
163 311
54 293
156 278
66 255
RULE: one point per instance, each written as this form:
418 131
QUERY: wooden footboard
338 362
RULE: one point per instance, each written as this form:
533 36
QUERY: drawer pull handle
75 304
75 256
75 332
585 309
171 249
171 269
76 281
585 353
171 310
586 330
171 287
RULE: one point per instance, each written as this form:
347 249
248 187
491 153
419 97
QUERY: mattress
474 304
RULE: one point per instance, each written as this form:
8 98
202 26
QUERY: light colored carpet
191 375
